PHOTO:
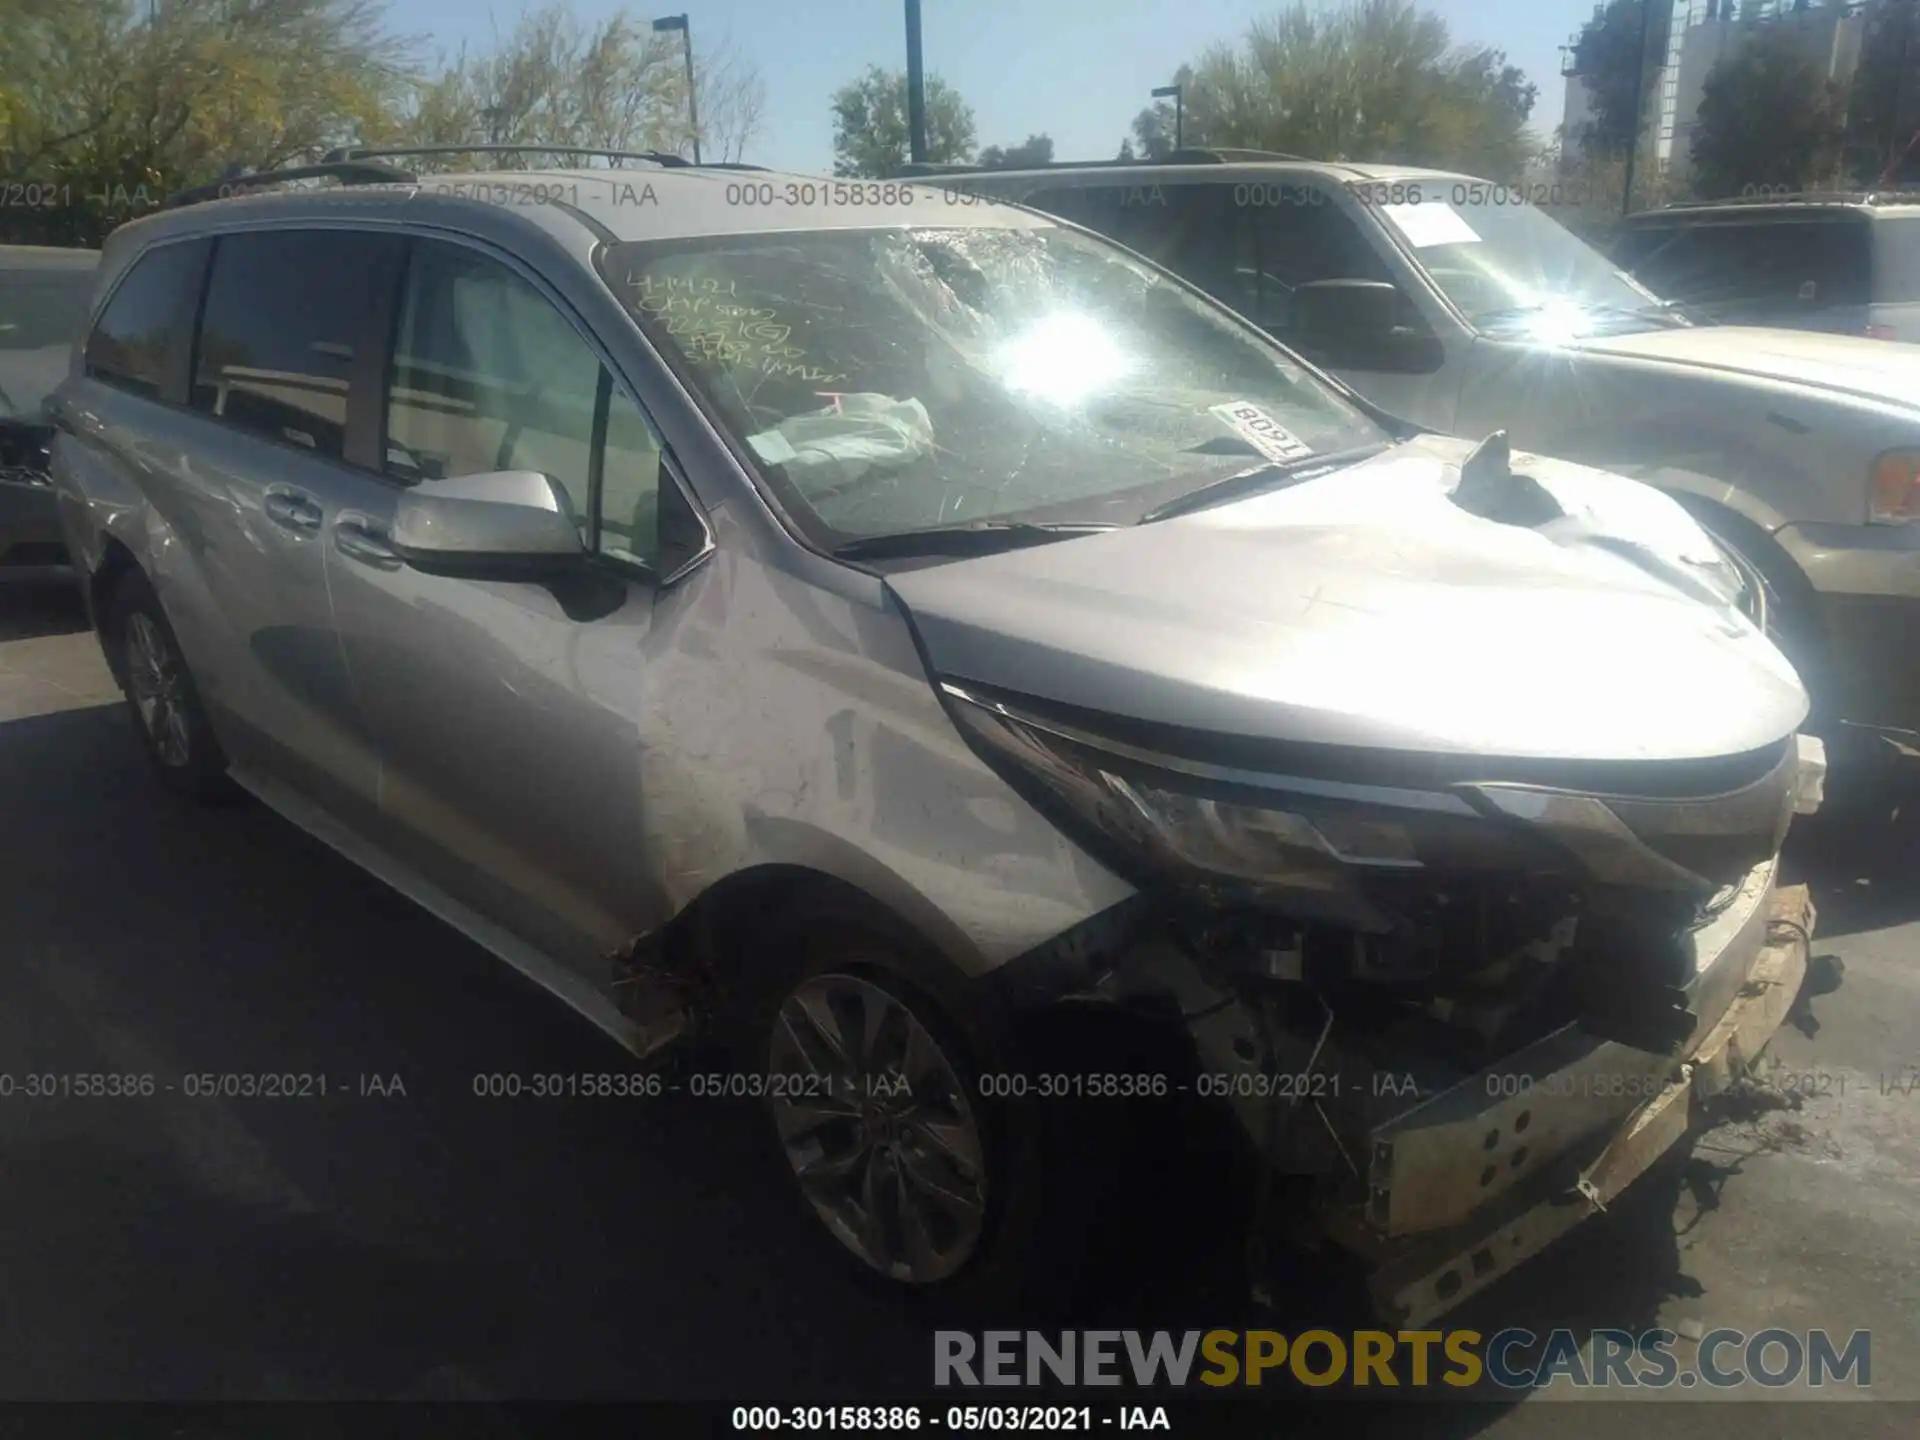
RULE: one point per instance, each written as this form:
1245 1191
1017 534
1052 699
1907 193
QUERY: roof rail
347 172
1891 195
1188 155
1228 154
657 157
358 152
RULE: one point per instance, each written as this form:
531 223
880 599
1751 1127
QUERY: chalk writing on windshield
713 325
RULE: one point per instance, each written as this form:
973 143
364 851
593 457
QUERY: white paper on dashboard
1433 222
1262 431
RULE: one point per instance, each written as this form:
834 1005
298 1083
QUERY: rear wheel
160 692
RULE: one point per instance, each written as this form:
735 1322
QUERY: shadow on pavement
548 1248
32 607
1862 864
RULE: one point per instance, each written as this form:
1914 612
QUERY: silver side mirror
497 523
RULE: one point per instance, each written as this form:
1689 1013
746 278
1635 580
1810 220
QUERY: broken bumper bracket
1415 1279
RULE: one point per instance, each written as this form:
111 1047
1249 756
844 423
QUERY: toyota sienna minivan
841 621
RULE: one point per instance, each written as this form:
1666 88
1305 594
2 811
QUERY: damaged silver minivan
839 619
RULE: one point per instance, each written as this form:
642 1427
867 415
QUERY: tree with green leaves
870 124
112 104
1883 101
1036 150
1768 117
1367 80
617 84
1608 57
1155 128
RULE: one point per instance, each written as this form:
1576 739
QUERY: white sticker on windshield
1262 431
1432 222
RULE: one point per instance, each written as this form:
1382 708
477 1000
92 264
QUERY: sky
1078 70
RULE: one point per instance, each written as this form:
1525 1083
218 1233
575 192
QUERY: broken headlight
1262 836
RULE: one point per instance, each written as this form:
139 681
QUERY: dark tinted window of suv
1187 228
1249 243
146 321
285 310
1733 267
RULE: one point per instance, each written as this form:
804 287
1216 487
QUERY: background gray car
43 309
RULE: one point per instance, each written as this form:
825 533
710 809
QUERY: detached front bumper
1436 1181
1476 1181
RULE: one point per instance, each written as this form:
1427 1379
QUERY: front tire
161 696
878 1127
949 1192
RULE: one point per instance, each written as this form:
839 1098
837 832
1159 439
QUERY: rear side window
1896 258
285 312
145 324
1808 264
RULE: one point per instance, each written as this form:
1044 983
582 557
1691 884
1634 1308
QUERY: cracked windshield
904 379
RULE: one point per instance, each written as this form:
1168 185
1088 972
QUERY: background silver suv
852 619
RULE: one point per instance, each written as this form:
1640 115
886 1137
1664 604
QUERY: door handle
355 537
292 509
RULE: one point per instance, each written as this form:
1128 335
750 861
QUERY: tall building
1701 33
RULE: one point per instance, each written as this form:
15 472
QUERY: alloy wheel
877 1126
157 684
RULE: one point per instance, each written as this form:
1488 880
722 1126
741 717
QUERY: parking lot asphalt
401 1236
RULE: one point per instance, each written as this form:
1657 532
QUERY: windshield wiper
976 537
1261 477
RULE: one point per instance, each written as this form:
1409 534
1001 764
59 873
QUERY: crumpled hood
1366 608
1853 365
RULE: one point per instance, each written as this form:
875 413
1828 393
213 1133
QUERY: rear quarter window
1896 258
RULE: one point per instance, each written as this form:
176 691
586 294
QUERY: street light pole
916 89
1179 112
681 23
1639 80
